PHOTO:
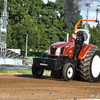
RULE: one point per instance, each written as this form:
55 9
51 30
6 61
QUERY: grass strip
20 71
14 71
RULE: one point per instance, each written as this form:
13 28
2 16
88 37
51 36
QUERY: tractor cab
84 35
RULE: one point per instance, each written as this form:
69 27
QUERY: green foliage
45 22
28 58
41 20
95 36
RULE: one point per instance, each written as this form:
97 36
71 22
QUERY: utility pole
88 5
26 32
97 11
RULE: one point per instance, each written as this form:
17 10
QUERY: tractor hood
61 48
58 44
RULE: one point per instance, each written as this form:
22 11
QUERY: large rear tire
90 66
68 71
37 72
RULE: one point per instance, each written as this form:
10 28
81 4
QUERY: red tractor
61 63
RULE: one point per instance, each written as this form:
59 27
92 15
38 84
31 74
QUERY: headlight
49 51
58 51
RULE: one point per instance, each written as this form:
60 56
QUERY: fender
84 50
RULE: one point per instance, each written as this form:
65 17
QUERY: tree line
46 24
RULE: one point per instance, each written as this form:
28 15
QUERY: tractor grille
62 50
53 50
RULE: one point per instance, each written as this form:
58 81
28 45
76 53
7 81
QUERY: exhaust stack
67 37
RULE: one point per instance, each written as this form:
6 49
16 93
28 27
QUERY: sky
91 13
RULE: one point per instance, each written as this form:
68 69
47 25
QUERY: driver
78 45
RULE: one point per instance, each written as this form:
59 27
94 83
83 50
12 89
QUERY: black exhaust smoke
70 13
72 10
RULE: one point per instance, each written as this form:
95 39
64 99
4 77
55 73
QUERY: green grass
20 71
47 72
28 58
14 71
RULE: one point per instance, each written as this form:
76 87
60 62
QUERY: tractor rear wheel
89 67
68 71
37 72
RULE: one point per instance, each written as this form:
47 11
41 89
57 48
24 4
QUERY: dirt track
26 87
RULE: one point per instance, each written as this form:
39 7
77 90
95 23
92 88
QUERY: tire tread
84 67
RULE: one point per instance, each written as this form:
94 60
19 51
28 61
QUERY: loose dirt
26 87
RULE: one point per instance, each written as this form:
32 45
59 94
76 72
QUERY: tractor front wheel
90 66
68 71
37 72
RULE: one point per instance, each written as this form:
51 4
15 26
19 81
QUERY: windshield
85 36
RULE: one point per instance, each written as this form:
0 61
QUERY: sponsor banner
20 61
15 62
1 61
27 62
9 61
